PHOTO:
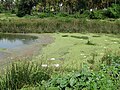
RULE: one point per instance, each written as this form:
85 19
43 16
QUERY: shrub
111 59
88 80
97 15
44 15
107 77
113 11
1 8
76 15
85 14
21 13
62 14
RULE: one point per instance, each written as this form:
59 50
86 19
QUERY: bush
1 8
85 14
44 15
105 78
21 13
97 15
113 11
111 59
76 15
62 14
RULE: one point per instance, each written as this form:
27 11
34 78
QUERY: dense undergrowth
31 76
61 24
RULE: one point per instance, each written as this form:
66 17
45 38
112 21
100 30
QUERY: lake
9 41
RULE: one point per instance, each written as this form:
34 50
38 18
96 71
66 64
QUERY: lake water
14 40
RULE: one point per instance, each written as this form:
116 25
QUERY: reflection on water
12 40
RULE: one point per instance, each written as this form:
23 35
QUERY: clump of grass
80 37
64 35
23 73
110 58
90 43
96 36
92 61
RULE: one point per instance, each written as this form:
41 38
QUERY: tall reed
52 25
22 74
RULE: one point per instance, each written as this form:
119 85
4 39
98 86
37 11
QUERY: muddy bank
27 51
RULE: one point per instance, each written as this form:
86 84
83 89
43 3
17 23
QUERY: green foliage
25 7
86 79
29 76
21 74
44 15
1 8
62 14
98 14
111 59
55 24
85 14
64 7
113 11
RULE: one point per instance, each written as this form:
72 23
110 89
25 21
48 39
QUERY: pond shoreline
24 52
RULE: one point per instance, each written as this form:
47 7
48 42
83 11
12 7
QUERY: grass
31 76
71 52
56 24
21 74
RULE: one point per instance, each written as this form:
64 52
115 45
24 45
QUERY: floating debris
52 59
56 65
104 47
115 42
82 54
44 65
51 65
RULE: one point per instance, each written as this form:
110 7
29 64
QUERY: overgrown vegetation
73 61
52 25
22 74
26 75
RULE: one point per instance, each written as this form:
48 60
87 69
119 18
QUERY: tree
25 7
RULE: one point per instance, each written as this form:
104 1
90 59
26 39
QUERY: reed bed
64 25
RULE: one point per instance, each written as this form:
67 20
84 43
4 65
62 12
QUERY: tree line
23 7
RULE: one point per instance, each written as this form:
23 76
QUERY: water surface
14 40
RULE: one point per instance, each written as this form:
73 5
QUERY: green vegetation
29 76
59 24
21 74
95 9
70 50
85 54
